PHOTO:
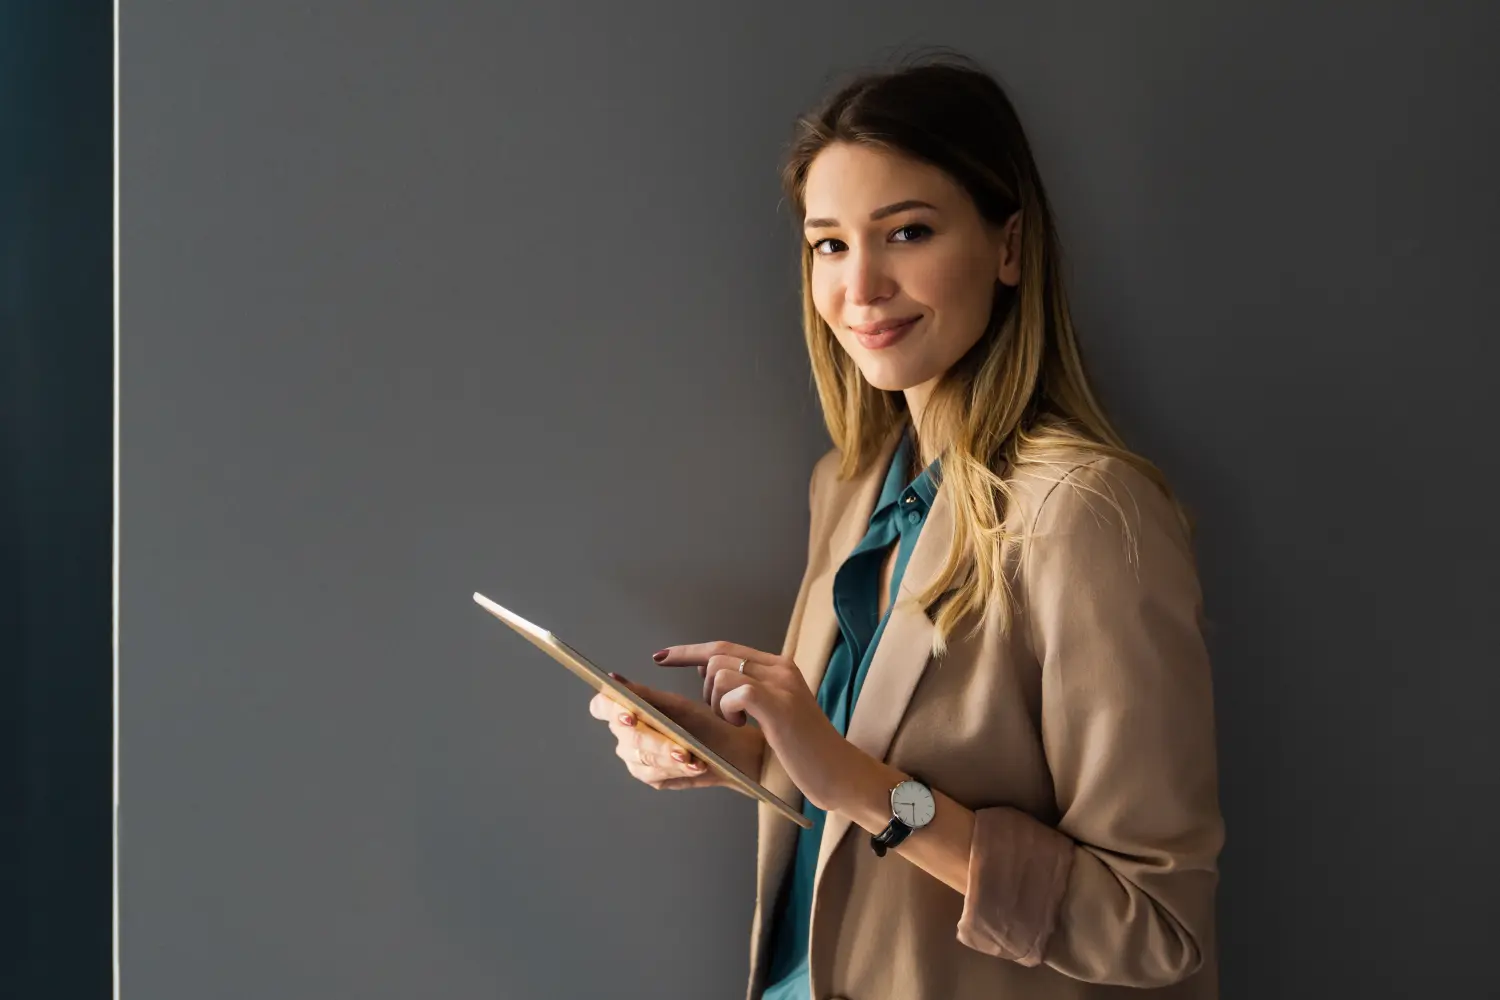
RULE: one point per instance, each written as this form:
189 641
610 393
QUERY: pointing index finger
697 654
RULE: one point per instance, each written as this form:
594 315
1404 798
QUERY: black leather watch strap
895 832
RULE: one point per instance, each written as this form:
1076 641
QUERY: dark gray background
427 298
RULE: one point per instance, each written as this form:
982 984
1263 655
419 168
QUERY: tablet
648 713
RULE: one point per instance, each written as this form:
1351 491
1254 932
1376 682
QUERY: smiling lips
883 333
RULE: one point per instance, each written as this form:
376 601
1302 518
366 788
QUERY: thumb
738 703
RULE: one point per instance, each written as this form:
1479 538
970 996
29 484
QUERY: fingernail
618 677
679 756
659 655
627 720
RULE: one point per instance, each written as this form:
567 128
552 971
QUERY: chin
890 385
893 378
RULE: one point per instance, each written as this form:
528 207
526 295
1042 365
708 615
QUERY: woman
995 668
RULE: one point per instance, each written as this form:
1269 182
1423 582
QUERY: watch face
912 804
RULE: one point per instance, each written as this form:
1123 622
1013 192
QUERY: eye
915 232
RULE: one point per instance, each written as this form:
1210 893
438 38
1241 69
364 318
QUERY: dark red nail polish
659 655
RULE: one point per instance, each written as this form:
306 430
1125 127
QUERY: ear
1010 251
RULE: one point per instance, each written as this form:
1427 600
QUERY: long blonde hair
1020 397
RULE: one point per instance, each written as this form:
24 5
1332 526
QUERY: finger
685 762
710 670
602 706
654 753
696 781
641 761
725 682
694 654
656 772
743 700
749 668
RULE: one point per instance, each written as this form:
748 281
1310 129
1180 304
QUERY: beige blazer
1084 741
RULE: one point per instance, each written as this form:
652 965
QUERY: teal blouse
899 514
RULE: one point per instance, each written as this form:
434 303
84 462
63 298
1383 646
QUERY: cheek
828 299
961 290
825 294
960 284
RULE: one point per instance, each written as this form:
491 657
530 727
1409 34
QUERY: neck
916 405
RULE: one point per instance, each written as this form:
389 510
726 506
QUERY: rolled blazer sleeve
1121 891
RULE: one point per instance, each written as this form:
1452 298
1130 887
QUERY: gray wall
427 298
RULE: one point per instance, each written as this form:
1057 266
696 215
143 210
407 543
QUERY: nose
866 279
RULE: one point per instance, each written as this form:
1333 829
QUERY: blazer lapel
846 506
900 659
853 502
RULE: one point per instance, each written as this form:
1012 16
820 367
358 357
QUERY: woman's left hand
772 690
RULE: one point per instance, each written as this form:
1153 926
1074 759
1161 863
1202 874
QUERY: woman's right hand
659 762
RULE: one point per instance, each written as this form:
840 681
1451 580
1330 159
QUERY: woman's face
904 266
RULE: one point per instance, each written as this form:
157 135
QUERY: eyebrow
875 216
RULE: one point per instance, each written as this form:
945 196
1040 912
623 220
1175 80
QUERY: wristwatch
912 808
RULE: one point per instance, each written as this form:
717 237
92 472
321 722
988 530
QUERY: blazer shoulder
1089 481
825 470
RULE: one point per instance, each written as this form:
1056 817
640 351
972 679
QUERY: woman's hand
661 763
773 691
